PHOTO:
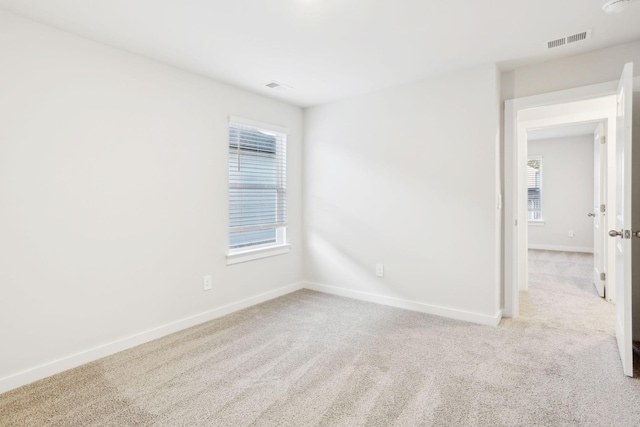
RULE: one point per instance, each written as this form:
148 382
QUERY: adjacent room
319 212
560 188
566 260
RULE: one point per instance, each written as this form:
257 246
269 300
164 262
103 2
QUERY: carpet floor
311 359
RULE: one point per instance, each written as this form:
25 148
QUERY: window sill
252 254
539 223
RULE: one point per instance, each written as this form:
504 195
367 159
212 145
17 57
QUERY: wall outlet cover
207 282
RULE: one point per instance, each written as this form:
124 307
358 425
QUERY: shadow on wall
333 262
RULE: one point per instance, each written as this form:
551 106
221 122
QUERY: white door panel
622 233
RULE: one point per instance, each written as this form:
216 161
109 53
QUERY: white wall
113 196
407 177
567 193
573 71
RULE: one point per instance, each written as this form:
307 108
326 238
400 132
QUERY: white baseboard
39 372
562 248
56 366
451 313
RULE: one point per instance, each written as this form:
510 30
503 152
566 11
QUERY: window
534 180
257 186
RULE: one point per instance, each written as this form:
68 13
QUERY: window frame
281 245
541 221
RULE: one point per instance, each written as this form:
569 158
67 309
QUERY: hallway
562 295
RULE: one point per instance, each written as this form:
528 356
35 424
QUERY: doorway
566 198
526 113
581 105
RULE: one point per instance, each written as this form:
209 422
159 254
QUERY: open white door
598 213
622 233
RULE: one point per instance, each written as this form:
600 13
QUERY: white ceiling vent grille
573 38
277 86
556 43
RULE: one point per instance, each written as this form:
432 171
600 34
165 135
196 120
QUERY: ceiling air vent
556 43
277 86
573 38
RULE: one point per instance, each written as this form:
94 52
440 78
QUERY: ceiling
326 50
577 129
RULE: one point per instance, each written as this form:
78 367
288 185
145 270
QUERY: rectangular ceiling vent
557 42
573 38
277 86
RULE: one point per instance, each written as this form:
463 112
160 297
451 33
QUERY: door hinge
603 140
516 222
603 208
603 276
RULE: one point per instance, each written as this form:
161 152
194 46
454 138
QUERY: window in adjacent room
534 188
257 189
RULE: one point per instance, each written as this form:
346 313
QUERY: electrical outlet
571 233
207 282
380 270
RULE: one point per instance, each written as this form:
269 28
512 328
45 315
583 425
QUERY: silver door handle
636 234
615 233
591 214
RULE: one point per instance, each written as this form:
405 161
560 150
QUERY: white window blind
534 188
257 186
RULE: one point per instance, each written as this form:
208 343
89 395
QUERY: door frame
601 193
515 154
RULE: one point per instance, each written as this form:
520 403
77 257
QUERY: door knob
591 214
615 233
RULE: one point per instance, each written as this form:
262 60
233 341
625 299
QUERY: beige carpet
312 359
